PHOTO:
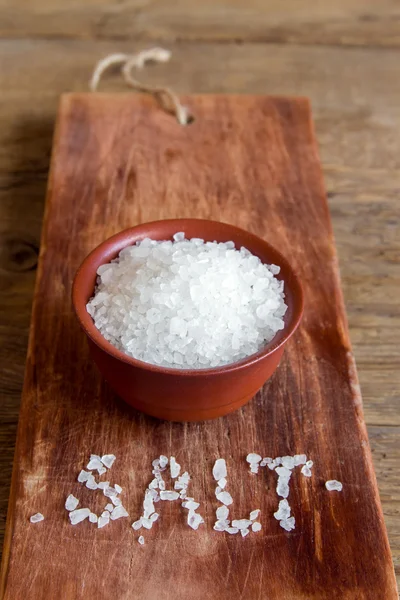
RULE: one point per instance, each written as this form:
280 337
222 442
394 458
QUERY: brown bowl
174 394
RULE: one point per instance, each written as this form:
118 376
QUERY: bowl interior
85 280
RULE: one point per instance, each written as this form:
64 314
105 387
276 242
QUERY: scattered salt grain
71 502
244 532
219 469
83 476
108 460
241 523
256 527
221 525
175 468
194 519
254 514
147 523
283 511
232 530
163 461
218 490
137 524
253 458
109 507
116 501
102 522
225 498
299 459
91 483
105 514
118 512
188 303
103 485
141 540
309 464
288 462
109 492
265 461
169 495
190 505
118 488
93 518
306 471
76 516
222 512
222 482
36 518
288 524
154 517
94 463
333 485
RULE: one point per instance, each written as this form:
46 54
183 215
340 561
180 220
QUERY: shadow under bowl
174 394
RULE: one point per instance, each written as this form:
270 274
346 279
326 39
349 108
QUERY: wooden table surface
345 57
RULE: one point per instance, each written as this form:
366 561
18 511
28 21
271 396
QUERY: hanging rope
167 99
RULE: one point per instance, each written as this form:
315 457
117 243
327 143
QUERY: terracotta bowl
185 395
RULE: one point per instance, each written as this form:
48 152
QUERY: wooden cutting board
250 161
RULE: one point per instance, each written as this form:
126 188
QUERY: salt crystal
116 501
194 519
309 464
148 506
256 526
175 468
108 460
153 484
225 498
109 492
188 303
282 489
190 505
71 502
91 483
101 470
118 488
93 518
141 540
218 490
254 468
288 524
137 524
36 518
161 485
306 471
241 523
283 511
283 473
265 461
222 512
299 459
221 525
76 516
154 517
83 476
254 514
288 462
118 512
109 507
244 532
94 462
219 469
232 530
253 458
102 521
163 461
106 514
222 483
333 485
169 495
103 485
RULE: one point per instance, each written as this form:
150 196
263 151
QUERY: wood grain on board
344 22
251 161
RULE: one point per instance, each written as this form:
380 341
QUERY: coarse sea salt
333 485
36 518
71 502
187 304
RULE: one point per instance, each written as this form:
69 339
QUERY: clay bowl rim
95 336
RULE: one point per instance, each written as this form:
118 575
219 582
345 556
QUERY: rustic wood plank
316 405
345 22
360 153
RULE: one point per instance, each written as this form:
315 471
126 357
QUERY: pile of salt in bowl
188 304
